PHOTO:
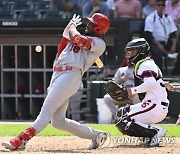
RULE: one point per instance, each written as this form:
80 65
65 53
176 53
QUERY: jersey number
145 104
75 48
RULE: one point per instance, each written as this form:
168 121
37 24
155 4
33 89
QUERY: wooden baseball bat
99 63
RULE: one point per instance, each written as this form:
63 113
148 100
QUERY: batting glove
76 20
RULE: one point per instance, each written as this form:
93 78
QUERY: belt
165 104
62 68
162 103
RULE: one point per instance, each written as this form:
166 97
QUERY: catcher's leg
152 134
131 128
137 119
122 111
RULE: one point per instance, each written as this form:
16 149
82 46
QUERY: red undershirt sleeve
62 44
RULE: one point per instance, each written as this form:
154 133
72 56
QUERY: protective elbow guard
82 41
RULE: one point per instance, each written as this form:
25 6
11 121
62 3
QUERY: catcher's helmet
142 47
101 21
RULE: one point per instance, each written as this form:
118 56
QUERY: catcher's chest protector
138 65
138 80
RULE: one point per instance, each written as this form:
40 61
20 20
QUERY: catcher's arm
172 88
147 85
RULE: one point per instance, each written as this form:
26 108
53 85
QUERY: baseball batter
125 76
135 119
76 54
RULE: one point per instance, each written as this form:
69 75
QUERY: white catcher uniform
121 72
154 106
135 120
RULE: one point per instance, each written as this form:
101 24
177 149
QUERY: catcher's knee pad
123 110
131 128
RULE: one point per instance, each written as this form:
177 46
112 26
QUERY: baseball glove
117 91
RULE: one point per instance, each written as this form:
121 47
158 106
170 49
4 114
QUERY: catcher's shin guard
131 128
23 137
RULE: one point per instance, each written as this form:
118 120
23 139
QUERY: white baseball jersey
77 57
154 106
152 84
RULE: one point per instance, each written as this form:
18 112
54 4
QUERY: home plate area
72 144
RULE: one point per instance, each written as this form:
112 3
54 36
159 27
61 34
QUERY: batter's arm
76 21
81 41
72 32
62 44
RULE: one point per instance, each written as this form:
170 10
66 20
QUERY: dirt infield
43 145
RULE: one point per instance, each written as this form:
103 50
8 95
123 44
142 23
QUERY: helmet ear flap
144 49
141 50
98 30
102 23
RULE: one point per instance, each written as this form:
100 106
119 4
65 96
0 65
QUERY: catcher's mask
137 50
102 23
129 62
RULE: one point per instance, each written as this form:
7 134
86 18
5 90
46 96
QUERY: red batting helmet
101 21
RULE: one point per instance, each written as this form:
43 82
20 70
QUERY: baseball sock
23 137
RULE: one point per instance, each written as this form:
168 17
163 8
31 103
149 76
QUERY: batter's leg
60 122
75 104
58 94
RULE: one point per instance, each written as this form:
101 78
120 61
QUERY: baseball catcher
135 120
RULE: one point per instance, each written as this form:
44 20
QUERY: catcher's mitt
116 91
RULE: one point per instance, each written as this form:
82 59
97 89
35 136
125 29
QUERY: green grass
15 129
